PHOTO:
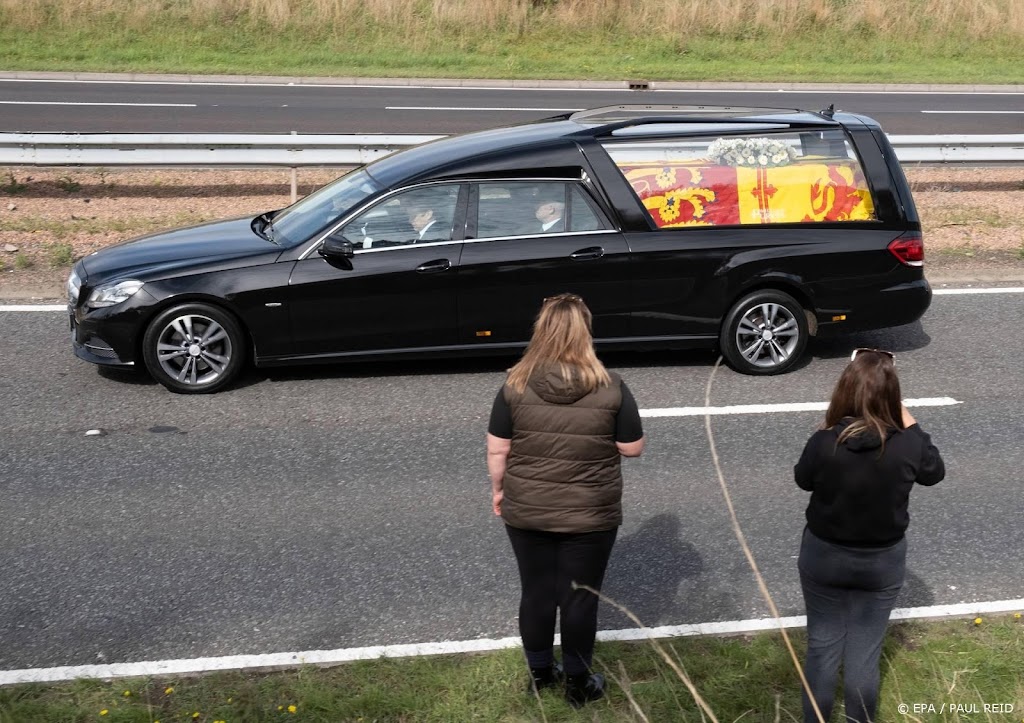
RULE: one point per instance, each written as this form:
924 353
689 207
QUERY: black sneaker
584 688
541 678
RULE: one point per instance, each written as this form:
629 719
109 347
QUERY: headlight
110 294
74 285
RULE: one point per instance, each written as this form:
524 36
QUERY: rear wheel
194 348
764 333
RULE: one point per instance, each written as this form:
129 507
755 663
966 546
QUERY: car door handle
432 267
594 252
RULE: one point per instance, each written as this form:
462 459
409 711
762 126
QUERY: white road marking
937 292
68 102
345 655
34 307
439 107
775 408
958 292
556 89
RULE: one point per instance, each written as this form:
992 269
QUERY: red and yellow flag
698 194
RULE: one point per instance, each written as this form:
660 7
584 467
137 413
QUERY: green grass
816 54
60 254
742 678
11 185
68 184
972 216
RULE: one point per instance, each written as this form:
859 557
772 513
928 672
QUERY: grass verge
536 49
956 664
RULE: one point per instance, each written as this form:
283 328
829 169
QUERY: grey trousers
849 593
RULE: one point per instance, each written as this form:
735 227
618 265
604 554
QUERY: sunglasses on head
883 352
562 297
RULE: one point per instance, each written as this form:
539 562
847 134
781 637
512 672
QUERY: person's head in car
422 213
550 211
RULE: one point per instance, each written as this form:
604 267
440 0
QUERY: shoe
584 688
541 678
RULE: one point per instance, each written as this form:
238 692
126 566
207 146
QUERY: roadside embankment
973 218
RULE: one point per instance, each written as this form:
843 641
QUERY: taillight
909 249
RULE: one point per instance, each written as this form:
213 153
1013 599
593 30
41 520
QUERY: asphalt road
182 107
332 507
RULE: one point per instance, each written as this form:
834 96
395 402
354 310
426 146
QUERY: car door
527 240
399 293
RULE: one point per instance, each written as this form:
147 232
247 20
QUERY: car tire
764 333
194 348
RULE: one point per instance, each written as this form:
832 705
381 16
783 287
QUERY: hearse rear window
805 177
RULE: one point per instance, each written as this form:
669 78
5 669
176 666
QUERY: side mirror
337 247
338 251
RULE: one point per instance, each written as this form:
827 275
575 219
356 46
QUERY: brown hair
868 391
561 335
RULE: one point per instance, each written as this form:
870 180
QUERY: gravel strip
973 217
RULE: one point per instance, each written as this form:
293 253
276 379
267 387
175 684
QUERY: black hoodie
859 491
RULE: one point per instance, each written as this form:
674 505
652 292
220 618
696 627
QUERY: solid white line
34 307
61 102
774 408
936 292
960 292
344 655
509 88
438 107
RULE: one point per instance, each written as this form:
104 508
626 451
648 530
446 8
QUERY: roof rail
615 113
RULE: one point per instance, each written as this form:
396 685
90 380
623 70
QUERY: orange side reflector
841 317
483 333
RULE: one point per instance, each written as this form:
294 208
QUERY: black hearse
742 228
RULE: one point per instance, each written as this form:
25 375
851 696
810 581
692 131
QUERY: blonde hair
562 336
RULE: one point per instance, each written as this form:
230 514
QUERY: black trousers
849 593
549 562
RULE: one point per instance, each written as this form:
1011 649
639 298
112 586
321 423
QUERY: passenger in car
550 215
426 225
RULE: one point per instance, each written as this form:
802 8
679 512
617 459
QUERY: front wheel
194 348
764 333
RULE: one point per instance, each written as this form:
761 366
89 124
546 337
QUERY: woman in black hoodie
859 470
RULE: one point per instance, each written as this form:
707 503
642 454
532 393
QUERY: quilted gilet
564 471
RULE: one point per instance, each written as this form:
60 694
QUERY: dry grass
669 19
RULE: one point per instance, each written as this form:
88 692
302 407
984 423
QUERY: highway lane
330 507
179 107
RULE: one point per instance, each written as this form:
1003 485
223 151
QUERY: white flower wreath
754 152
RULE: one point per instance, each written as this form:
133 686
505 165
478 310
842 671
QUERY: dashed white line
69 102
34 307
960 292
439 107
973 112
345 655
777 408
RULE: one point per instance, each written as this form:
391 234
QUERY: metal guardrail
296 151
959 149
186 149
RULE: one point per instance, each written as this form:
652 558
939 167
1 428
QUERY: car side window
530 208
794 177
419 215
582 214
